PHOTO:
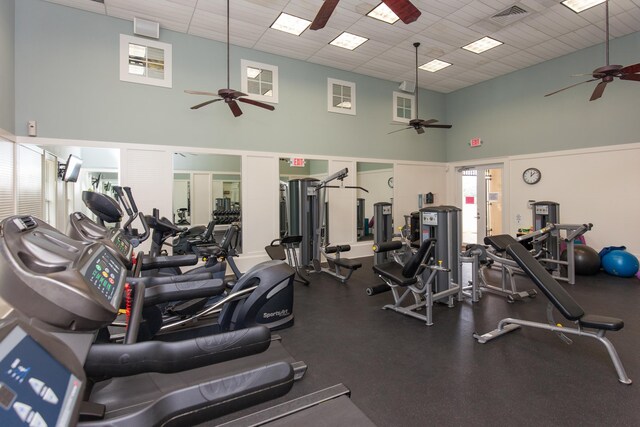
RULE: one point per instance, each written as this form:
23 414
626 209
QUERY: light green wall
512 116
207 162
7 71
78 95
368 167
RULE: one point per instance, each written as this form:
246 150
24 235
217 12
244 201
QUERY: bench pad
351 264
601 322
547 284
500 242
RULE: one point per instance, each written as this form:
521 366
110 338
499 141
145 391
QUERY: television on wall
69 171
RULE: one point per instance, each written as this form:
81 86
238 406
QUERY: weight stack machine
303 219
383 224
545 213
444 224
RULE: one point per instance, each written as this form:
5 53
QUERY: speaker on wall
142 27
406 86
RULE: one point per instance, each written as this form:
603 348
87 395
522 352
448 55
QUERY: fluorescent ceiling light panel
579 5
290 24
433 66
482 45
383 13
348 41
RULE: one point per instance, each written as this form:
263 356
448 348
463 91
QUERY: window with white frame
259 81
341 96
403 107
145 61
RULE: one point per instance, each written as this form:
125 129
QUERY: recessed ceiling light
579 5
383 13
348 41
290 24
482 45
435 65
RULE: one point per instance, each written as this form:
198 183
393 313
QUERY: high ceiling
548 30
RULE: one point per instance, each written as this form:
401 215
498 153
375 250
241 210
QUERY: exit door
481 202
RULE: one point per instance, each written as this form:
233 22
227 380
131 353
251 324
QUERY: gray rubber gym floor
403 373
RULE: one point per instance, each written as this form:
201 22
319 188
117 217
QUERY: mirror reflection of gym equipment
377 178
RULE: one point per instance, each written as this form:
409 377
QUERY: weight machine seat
291 240
393 271
558 296
500 242
408 274
347 263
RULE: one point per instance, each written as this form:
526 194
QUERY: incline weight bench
338 264
588 325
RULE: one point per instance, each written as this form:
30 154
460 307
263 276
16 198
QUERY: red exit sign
296 162
475 142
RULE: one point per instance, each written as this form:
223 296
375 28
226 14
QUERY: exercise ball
587 260
620 263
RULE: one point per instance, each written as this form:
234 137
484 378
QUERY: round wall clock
390 182
531 176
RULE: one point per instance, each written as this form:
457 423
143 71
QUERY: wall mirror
207 187
377 178
99 172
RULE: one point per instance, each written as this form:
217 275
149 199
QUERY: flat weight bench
337 264
508 268
566 305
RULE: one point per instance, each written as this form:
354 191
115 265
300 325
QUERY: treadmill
72 289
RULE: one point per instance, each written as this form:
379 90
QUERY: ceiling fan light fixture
290 24
383 13
482 45
434 65
348 41
580 5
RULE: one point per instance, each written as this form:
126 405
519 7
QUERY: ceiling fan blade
195 107
439 126
597 92
427 122
405 10
569 87
257 103
420 130
634 77
199 92
324 14
394 131
630 69
235 108
238 94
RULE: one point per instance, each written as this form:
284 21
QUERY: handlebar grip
122 199
131 201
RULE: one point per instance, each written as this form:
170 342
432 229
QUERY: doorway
481 201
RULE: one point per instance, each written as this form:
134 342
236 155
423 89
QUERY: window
341 96
403 107
145 61
259 81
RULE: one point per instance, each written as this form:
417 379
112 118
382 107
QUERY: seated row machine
588 325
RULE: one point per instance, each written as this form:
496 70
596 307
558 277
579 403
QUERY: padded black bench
566 305
337 263
284 249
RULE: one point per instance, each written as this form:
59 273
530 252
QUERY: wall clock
390 182
531 176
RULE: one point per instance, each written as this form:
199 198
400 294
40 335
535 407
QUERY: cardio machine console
105 273
41 381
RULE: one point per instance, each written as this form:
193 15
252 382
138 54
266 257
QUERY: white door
481 201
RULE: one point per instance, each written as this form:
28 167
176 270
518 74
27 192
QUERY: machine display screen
35 389
106 274
122 244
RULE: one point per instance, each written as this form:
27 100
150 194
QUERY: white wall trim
7 135
578 151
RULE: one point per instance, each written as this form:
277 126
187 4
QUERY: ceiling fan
607 73
418 124
230 96
404 9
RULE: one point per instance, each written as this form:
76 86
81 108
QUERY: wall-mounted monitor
69 171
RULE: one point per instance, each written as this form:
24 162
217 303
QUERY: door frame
455 184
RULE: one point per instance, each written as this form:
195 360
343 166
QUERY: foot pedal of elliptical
189 308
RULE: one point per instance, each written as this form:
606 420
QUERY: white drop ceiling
547 31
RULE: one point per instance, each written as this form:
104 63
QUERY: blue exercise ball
620 263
